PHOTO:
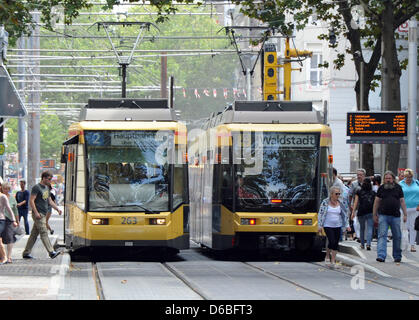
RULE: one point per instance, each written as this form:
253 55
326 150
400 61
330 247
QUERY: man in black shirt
387 204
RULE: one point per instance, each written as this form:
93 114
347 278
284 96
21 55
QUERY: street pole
413 96
124 79
21 127
34 144
384 101
361 106
249 84
163 75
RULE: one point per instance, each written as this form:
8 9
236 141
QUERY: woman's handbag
19 230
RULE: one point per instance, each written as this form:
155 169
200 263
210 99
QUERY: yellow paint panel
274 222
137 227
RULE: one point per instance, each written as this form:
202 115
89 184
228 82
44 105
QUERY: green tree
53 131
16 15
381 19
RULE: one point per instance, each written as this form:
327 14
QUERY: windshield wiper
146 210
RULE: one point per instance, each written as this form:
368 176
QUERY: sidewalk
351 254
42 277
31 279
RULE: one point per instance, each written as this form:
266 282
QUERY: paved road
196 274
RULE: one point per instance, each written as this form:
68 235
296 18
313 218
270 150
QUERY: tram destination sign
376 124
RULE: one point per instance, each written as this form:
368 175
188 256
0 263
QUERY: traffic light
291 53
270 75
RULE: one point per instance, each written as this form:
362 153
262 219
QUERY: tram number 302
276 220
129 220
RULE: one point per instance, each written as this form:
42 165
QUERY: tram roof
127 109
292 112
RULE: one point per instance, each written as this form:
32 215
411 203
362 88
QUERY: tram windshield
127 171
283 176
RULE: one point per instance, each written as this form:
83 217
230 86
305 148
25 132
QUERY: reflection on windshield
286 182
123 172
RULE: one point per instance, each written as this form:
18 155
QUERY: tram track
98 283
185 281
288 280
175 273
191 284
369 279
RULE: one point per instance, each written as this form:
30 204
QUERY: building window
315 72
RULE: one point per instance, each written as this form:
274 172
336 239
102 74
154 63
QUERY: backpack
366 201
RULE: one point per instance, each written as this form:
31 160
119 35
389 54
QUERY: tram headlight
304 222
100 221
157 221
248 221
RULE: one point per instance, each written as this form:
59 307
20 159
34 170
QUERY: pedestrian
376 182
52 191
365 199
386 211
336 181
333 216
3 257
40 197
355 186
12 218
410 187
22 199
400 175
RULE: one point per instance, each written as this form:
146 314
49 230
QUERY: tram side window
227 185
71 173
216 187
324 172
180 190
80 182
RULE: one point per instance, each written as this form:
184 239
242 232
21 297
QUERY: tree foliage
16 15
367 24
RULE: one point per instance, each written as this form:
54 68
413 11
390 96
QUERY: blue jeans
366 219
383 223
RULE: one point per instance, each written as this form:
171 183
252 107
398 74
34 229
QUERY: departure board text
376 124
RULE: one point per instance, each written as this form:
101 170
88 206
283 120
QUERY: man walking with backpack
386 211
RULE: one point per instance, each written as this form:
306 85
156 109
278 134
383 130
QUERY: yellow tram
126 176
257 174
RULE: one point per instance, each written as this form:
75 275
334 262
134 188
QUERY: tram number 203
129 220
276 220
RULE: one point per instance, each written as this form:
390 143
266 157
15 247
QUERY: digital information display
376 124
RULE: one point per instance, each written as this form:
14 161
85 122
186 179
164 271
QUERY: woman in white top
4 205
8 235
333 216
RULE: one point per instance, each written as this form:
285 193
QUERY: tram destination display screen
376 124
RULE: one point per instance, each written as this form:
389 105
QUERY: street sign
11 104
376 124
404 27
